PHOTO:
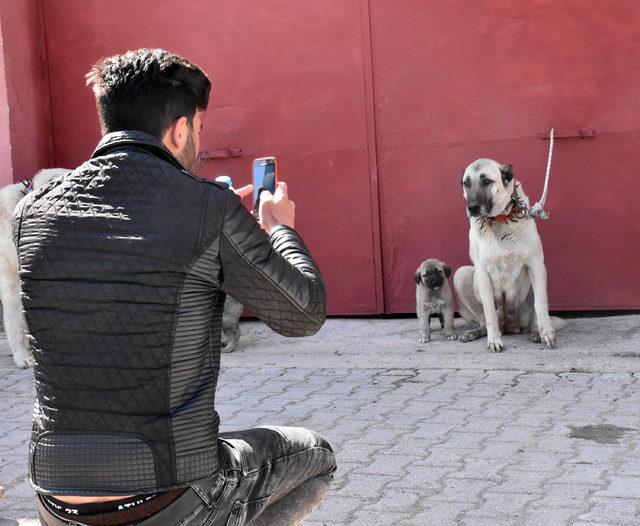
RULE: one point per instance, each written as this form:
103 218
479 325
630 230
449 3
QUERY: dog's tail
557 323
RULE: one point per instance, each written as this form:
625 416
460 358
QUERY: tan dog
433 296
506 288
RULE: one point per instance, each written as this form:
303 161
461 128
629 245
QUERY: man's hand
276 209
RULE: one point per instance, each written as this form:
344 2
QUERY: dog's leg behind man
14 324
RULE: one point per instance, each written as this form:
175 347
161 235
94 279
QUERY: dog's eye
466 183
486 182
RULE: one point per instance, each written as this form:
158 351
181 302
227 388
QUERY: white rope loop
537 210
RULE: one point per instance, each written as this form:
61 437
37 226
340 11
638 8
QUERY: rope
537 210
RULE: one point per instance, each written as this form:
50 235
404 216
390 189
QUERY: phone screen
264 177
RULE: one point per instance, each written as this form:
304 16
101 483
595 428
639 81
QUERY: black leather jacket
124 264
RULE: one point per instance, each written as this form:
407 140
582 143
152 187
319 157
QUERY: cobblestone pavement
423 445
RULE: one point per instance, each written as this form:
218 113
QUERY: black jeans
277 472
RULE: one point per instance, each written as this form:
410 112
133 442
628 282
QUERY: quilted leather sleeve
16 222
275 276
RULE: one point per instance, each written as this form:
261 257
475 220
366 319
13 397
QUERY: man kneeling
124 264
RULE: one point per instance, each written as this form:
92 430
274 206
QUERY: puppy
506 288
433 296
14 325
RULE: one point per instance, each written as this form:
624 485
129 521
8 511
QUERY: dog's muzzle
474 209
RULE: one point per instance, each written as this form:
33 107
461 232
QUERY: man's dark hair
147 90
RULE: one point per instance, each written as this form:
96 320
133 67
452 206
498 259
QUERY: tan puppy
433 296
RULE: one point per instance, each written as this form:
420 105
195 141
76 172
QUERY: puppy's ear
416 277
506 170
447 269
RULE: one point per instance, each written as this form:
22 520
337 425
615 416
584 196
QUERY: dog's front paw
495 345
452 337
471 334
548 337
23 359
423 339
535 336
229 342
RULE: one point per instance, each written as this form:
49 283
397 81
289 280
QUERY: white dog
14 324
506 288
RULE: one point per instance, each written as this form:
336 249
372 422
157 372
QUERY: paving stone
502 507
525 482
367 518
443 457
611 510
580 473
435 514
542 516
573 496
387 464
363 486
461 490
621 487
397 502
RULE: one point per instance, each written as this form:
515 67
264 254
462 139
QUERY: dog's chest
504 271
502 258
429 301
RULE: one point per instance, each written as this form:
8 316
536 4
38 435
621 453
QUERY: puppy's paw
548 337
422 339
535 336
452 337
23 359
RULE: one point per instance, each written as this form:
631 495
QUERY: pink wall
24 92
6 164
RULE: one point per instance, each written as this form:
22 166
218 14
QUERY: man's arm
274 275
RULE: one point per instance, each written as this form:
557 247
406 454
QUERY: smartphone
265 177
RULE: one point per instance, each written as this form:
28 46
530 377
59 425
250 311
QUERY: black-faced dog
506 288
433 296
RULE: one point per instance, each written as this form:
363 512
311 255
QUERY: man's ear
416 277
506 170
447 269
176 135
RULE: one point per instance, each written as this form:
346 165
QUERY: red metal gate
455 81
288 81
374 107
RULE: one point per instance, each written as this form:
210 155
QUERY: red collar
505 218
518 209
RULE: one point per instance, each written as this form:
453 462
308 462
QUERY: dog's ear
416 277
506 170
447 269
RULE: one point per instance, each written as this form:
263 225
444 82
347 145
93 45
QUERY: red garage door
289 80
374 107
455 81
